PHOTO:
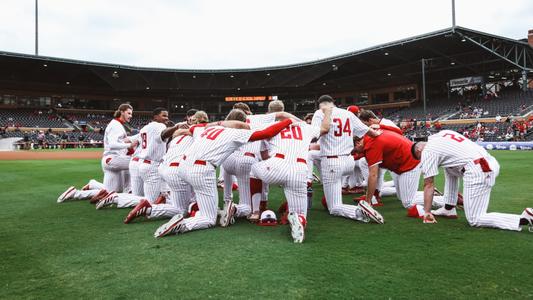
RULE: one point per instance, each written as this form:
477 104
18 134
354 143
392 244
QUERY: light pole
36 27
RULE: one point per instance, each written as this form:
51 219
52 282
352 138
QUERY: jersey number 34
340 129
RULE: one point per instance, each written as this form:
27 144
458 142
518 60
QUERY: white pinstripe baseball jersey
114 136
257 122
152 146
216 143
449 149
177 147
293 141
339 139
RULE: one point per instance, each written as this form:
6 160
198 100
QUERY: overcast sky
209 34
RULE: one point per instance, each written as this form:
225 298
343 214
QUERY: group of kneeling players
169 170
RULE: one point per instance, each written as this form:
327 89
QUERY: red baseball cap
353 109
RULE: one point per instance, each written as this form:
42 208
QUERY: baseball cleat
99 196
174 226
370 212
107 201
460 201
220 184
254 217
68 194
316 178
192 209
161 199
415 211
86 187
443 212
226 217
527 214
140 210
297 223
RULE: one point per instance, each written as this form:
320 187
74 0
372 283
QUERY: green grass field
70 250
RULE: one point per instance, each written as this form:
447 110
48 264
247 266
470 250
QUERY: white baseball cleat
297 223
68 194
107 201
174 226
443 212
226 215
370 212
528 215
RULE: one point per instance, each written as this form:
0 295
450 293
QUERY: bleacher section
30 118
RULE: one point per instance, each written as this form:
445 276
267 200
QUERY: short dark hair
158 110
325 98
242 106
366 115
191 112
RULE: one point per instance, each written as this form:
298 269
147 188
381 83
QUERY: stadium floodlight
386 53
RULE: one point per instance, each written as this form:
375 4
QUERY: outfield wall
507 145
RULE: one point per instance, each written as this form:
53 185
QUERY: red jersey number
212 133
294 132
454 137
340 129
143 140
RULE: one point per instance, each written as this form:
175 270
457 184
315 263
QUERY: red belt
200 162
332 156
147 161
249 154
282 156
135 159
482 162
174 164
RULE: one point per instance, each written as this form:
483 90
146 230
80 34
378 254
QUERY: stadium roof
449 53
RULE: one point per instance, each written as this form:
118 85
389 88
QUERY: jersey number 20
294 132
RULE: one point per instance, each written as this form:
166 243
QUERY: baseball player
180 191
288 167
116 146
251 191
336 161
392 151
370 119
153 148
460 157
198 166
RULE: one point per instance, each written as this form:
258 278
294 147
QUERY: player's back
256 122
216 143
177 147
392 149
339 139
152 146
453 148
293 142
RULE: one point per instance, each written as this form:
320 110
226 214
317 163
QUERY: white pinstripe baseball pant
135 178
203 180
313 160
180 193
292 176
477 186
151 180
113 165
407 185
239 165
333 169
